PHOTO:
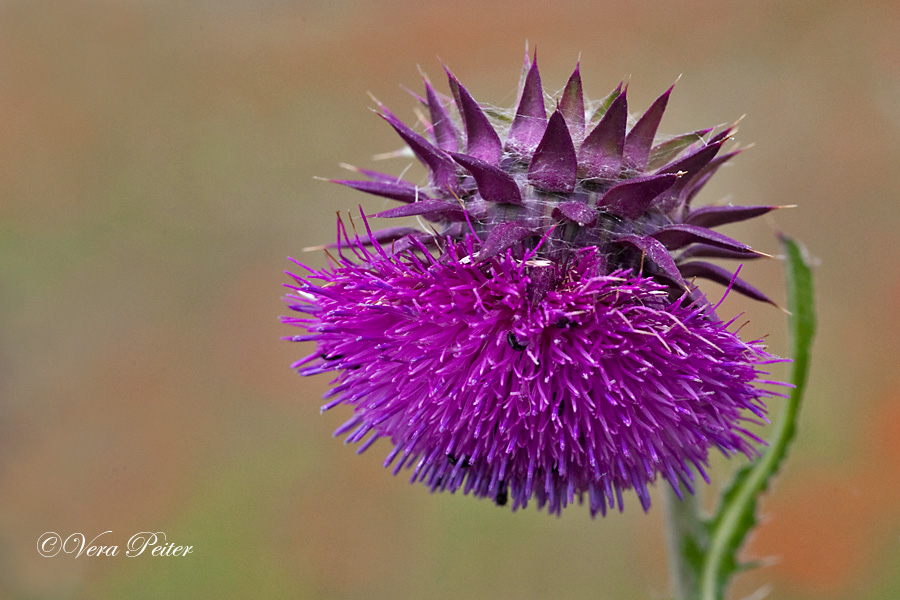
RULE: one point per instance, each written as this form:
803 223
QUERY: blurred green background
156 169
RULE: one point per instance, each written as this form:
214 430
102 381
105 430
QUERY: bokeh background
156 170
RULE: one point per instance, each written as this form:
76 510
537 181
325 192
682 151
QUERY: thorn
443 64
437 238
417 97
401 153
465 214
729 137
375 100
687 288
420 116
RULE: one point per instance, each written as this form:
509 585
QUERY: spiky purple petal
402 191
444 208
531 118
679 235
639 140
445 134
632 198
708 251
693 162
714 216
553 167
482 141
376 175
601 154
705 175
690 165
571 104
502 238
655 251
443 171
721 275
494 184
576 212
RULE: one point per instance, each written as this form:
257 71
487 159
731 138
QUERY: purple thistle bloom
543 341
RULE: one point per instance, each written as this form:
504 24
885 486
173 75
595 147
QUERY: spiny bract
544 340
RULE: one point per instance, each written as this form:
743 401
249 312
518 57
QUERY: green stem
703 553
736 516
684 531
729 534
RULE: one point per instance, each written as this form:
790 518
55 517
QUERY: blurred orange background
156 170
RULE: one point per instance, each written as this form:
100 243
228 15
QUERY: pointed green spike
604 104
663 153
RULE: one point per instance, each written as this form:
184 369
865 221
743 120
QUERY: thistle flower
544 340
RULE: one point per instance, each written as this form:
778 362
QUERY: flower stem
685 536
703 551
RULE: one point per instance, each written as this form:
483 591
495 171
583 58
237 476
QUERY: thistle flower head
543 341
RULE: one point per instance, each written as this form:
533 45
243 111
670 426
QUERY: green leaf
736 514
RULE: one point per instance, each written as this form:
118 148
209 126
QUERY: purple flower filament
599 387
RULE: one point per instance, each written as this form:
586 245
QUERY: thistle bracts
581 172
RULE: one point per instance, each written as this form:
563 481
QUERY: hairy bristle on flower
542 340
